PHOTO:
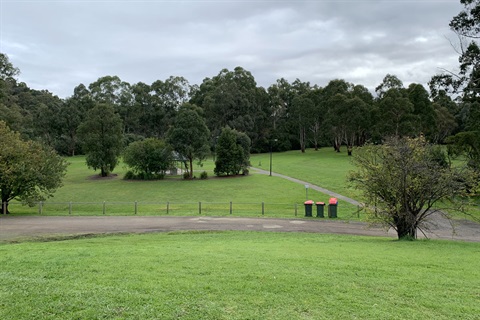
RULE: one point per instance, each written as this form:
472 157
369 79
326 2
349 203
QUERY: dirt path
19 228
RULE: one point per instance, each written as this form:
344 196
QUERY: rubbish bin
320 209
332 207
308 208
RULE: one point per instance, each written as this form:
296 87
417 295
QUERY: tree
29 171
404 180
466 82
189 135
101 138
233 153
149 158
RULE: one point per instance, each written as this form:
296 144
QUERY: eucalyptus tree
117 93
395 111
232 98
101 137
465 84
189 135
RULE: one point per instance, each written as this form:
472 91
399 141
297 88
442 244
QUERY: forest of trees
296 115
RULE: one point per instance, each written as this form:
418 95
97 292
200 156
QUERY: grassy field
325 168
173 195
87 192
239 275
328 169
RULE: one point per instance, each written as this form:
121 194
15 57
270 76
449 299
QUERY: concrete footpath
21 228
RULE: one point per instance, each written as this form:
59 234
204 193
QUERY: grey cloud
58 45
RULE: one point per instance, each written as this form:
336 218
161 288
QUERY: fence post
295 209
231 207
104 207
168 206
263 208
70 207
136 207
40 207
199 207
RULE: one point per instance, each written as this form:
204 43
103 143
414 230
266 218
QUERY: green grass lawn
239 275
325 168
329 169
87 192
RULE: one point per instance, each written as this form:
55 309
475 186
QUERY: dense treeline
284 116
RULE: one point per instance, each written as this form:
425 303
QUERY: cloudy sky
60 44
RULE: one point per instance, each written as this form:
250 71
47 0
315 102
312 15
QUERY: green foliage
29 171
101 137
204 175
281 276
149 159
233 153
467 143
404 180
189 135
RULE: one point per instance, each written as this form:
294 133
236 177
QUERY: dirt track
14 228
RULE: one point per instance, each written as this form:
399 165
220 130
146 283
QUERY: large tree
29 171
101 138
406 182
233 153
189 135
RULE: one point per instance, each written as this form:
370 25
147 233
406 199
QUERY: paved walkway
311 186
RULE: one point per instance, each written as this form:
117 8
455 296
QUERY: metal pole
104 207
263 208
200 208
168 206
270 161
70 207
136 207
295 209
231 207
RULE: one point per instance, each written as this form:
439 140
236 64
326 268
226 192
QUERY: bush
186 175
130 175
204 175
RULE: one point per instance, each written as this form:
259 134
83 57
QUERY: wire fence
145 208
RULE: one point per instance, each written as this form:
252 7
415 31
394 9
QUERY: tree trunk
405 230
4 207
103 172
349 150
191 168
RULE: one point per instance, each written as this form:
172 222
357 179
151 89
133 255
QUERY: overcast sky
60 44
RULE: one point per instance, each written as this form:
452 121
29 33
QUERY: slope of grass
246 193
239 275
325 168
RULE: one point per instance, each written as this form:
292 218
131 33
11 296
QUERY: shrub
204 175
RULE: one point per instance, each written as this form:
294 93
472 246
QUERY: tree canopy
29 171
149 158
102 139
232 153
189 135
404 180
